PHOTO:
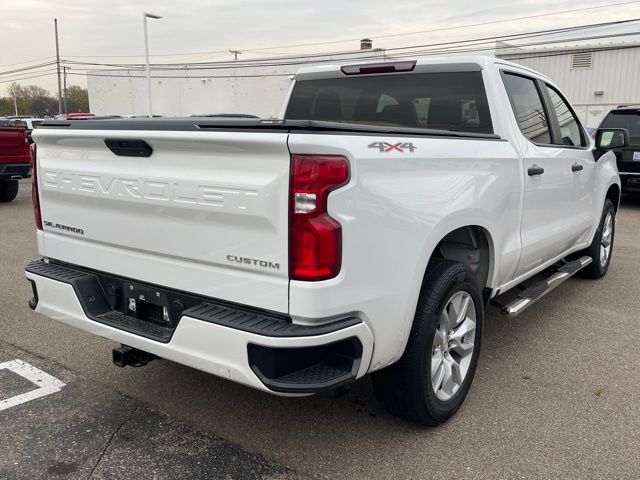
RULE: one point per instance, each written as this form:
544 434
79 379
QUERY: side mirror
610 138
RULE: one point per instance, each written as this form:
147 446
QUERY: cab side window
18 123
570 131
528 108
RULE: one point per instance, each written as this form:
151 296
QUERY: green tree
77 99
6 106
44 107
18 92
39 100
32 100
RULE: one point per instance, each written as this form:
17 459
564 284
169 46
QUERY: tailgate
205 213
13 146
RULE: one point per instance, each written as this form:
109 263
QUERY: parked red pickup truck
15 161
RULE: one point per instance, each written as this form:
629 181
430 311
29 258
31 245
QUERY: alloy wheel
606 239
453 345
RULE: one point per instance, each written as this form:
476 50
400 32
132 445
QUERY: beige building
594 78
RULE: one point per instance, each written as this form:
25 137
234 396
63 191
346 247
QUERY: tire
406 387
599 266
8 190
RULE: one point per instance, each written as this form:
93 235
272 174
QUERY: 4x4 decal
393 147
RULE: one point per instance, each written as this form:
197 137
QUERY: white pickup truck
365 231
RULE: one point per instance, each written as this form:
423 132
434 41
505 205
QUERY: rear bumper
256 348
630 181
13 170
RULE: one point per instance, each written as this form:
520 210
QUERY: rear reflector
315 239
386 67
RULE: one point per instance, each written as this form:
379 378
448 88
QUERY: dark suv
628 158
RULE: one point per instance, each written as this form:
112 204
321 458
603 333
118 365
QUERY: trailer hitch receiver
125 355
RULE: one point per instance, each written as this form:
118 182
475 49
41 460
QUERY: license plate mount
148 304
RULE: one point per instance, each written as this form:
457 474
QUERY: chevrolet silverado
365 231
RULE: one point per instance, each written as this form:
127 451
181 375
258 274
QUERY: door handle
535 170
576 167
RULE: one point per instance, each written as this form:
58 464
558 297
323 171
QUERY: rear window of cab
454 101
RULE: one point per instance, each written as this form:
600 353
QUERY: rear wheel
431 380
8 190
601 248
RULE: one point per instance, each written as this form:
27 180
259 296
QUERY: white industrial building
595 78
255 90
259 89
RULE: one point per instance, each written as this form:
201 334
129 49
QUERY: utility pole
55 23
64 76
235 53
15 104
146 15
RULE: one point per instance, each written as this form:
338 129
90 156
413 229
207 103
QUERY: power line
402 55
515 56
277 61
198 77
154 55
26 69
399 52
28 78
531 44
27 61
455 27
452 46
33 72
17 77
539 33
439 29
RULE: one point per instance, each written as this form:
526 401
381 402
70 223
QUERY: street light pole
146 15
55 25
64 87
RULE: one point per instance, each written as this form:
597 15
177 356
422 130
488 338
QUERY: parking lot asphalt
88 430
556 395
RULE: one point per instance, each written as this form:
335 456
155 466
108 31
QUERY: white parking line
46 383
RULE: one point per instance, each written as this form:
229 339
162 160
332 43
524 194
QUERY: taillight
34 188
315 239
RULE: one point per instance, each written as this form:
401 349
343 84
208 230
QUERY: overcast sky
103 28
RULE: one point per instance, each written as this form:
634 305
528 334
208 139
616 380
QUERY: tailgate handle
126 147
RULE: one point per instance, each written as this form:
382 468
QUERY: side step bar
535 292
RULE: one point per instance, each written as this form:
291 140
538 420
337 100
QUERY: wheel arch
614 194
455 230
472 245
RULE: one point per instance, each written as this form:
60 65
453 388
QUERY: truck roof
432 63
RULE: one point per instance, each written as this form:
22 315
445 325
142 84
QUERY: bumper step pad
91 287
318 373
260 323
307 369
